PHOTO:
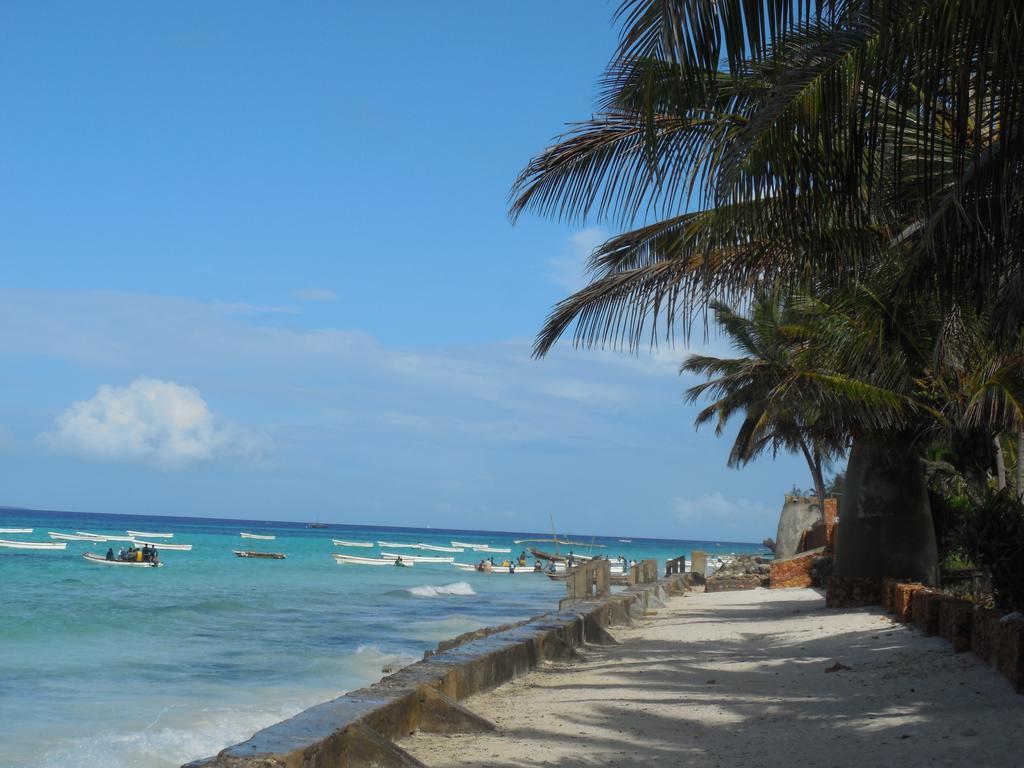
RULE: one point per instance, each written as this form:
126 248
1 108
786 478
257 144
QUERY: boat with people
260 555
74 536
257 536
150 535
162 545
355 560
435 548
417 558
9 544
343 543
92 557
497 568
16 530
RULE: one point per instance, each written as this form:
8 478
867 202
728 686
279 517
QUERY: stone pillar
602 577
699 562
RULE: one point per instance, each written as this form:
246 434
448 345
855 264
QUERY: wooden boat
398 544
343 543
257 536
563 542
497 568
15 530
74 537
495 550
148 535
94 558
161 545
434 548
353 560
8 544
541 555
264 555
417 558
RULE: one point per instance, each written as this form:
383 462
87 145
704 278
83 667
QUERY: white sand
738 679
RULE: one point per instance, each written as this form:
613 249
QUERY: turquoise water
106 666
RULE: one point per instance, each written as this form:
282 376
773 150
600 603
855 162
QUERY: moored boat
150 535
501 569
73 537
257 536
495 550
434 548
343 543
354 560
106 536
15 530
94 558
398 544
264 555
162 545
417 558
464 544
8 544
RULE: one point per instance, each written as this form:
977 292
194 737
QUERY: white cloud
157 422
714 509
569 269
315 294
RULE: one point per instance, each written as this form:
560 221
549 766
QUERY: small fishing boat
343 543
74 537
149 535
398 544
7 543
417 558
464 544
434 548
626 541
497 568
316 525
264 555
15 530
103 536
257 536
94 558
495 550
353 560
162 545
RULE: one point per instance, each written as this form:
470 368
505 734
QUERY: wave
458 588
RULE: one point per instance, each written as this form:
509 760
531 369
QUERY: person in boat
110 553
537 566
488 565
511 567
154 558
551 566
145 553
398 560
570 561
120 553
522 557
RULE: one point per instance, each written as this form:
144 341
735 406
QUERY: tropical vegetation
856 162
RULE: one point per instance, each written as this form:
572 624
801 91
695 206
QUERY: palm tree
768 145
756 387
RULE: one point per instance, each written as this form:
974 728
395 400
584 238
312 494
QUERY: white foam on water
458 588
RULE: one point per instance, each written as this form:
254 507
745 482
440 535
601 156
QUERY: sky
258 263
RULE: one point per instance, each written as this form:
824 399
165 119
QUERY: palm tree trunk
885 518
1000 463
813 459
1020 464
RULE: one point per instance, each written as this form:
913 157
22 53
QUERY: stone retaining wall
794 571
357 729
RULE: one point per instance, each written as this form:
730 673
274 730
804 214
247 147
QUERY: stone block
1008 653
889 595
853 591
903 593
730 583
925 606
956 620
793 571
983 633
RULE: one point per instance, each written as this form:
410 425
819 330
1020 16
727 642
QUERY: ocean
153 667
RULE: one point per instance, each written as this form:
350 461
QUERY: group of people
487 565
133 554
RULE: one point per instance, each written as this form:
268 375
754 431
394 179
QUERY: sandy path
738 679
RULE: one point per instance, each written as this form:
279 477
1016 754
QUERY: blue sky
258 264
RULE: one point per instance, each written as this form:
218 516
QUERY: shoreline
743 678
359 727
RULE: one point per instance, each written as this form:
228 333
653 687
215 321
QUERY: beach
743 678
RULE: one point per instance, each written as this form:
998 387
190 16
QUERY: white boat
464 544
33 544
626 541
417 558
433 548
353 560
149 535
162 545
15 530
74 537
94 558
495 550
497 568
257 536
105 537
343 543
398 544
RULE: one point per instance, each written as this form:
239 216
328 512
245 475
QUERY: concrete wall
798 514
